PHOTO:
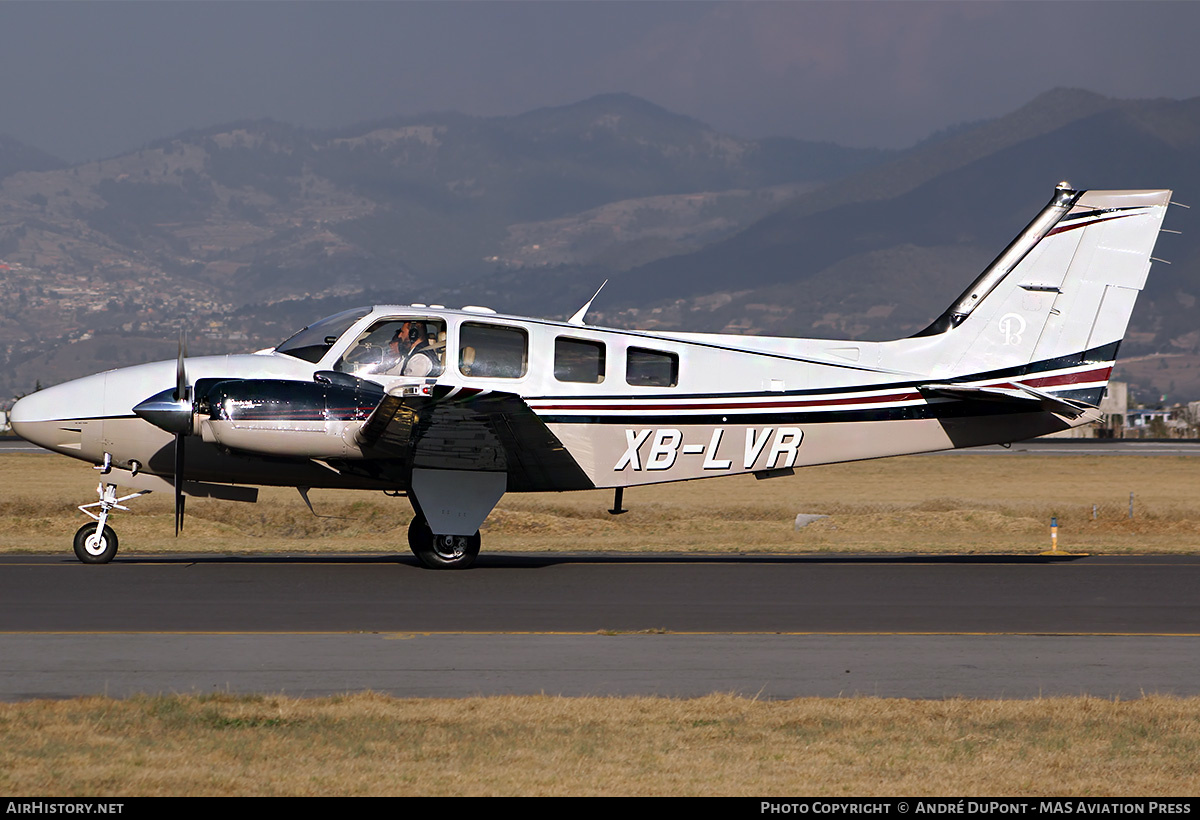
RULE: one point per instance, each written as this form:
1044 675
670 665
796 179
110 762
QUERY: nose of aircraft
40 417
37 416
65 416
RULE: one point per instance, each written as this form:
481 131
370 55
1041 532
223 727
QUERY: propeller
174 410
182 396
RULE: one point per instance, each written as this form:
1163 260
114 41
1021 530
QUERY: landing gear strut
96 543
441 551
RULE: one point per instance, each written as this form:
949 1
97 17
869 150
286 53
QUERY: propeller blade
181 384
183 397
173 409
179 498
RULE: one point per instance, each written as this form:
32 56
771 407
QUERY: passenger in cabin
412 353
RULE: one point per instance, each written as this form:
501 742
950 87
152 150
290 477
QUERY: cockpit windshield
315 340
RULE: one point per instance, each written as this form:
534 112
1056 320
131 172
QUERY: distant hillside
16 157
244 232
826 269
881 252
193 229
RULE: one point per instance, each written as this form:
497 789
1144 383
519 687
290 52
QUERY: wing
468 429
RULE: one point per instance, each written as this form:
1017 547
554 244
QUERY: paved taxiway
907 626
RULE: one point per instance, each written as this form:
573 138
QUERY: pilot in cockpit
412 353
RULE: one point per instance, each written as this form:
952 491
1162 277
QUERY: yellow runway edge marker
1054 550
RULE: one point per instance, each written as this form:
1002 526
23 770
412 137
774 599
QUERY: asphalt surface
1153 595
908 626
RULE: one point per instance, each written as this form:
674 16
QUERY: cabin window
492 351
578 360
397 347
651 368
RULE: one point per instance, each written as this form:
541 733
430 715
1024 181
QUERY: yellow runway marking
392 635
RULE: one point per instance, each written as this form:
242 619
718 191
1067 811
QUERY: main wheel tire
441 551
93 548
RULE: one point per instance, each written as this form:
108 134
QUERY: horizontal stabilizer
1018 394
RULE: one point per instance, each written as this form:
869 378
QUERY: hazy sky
87 80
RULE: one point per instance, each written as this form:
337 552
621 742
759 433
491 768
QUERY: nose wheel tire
93 546
441 551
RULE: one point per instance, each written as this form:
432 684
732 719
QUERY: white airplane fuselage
786 403
521 404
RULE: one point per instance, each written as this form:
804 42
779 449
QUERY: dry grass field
717 745
950 503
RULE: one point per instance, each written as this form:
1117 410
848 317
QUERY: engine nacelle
288 418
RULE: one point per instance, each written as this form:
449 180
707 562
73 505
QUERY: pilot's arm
392 360
418 364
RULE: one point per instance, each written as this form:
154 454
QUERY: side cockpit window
402 346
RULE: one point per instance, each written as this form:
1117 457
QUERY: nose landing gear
96 543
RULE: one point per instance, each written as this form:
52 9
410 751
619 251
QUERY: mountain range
244 232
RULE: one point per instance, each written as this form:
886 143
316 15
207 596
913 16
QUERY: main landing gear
455 501
441 551
96 543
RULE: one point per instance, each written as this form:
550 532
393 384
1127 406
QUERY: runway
767 626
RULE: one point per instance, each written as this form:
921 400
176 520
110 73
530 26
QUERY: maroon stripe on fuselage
740 405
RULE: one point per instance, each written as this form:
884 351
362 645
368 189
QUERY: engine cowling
288 418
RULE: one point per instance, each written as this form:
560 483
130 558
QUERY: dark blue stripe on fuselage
938 409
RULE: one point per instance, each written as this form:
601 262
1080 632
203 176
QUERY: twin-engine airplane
454 408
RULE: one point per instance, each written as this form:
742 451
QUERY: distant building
1118 421
1115 409
1150 423
1177 421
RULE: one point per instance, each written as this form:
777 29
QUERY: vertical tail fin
1060 296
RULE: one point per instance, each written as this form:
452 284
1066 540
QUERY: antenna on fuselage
577 319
